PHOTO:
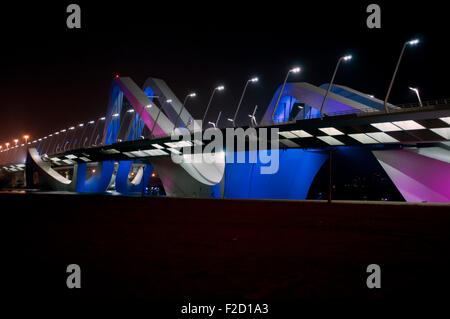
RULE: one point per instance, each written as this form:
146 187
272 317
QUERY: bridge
147 131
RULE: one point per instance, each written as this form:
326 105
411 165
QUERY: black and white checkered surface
403 132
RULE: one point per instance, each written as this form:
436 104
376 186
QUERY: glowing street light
252 80
26 137
347 57
410 43
294 70
182 107
7 146
15 141
219 88
343 58
212 123
416 90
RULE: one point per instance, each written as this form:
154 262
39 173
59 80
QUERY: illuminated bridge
121 151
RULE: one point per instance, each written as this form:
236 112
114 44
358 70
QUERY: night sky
53 77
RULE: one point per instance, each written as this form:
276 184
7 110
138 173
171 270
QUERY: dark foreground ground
195 249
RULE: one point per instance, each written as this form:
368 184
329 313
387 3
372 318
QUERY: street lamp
416 90
15 141
219 88
182 107
345 58
159 112
252 80
7 146
411 43
252 116
218 119
26 137
294 70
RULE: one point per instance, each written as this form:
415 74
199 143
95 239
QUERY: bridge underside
417 177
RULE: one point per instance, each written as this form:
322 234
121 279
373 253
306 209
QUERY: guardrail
401 106
426 103
354 111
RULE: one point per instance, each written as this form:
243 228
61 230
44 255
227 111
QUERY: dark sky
53 77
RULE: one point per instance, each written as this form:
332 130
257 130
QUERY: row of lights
297 70
16 142
218 88
27 137
253 80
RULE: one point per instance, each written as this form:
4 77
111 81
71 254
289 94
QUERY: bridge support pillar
98 182
136 185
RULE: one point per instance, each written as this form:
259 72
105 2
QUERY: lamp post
416 90
156 121
72 128
95 129
219 88
252 80
26 137
182 107
252 117
345 58
294 70
84 132
411 42
218 119
7 146
140 114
